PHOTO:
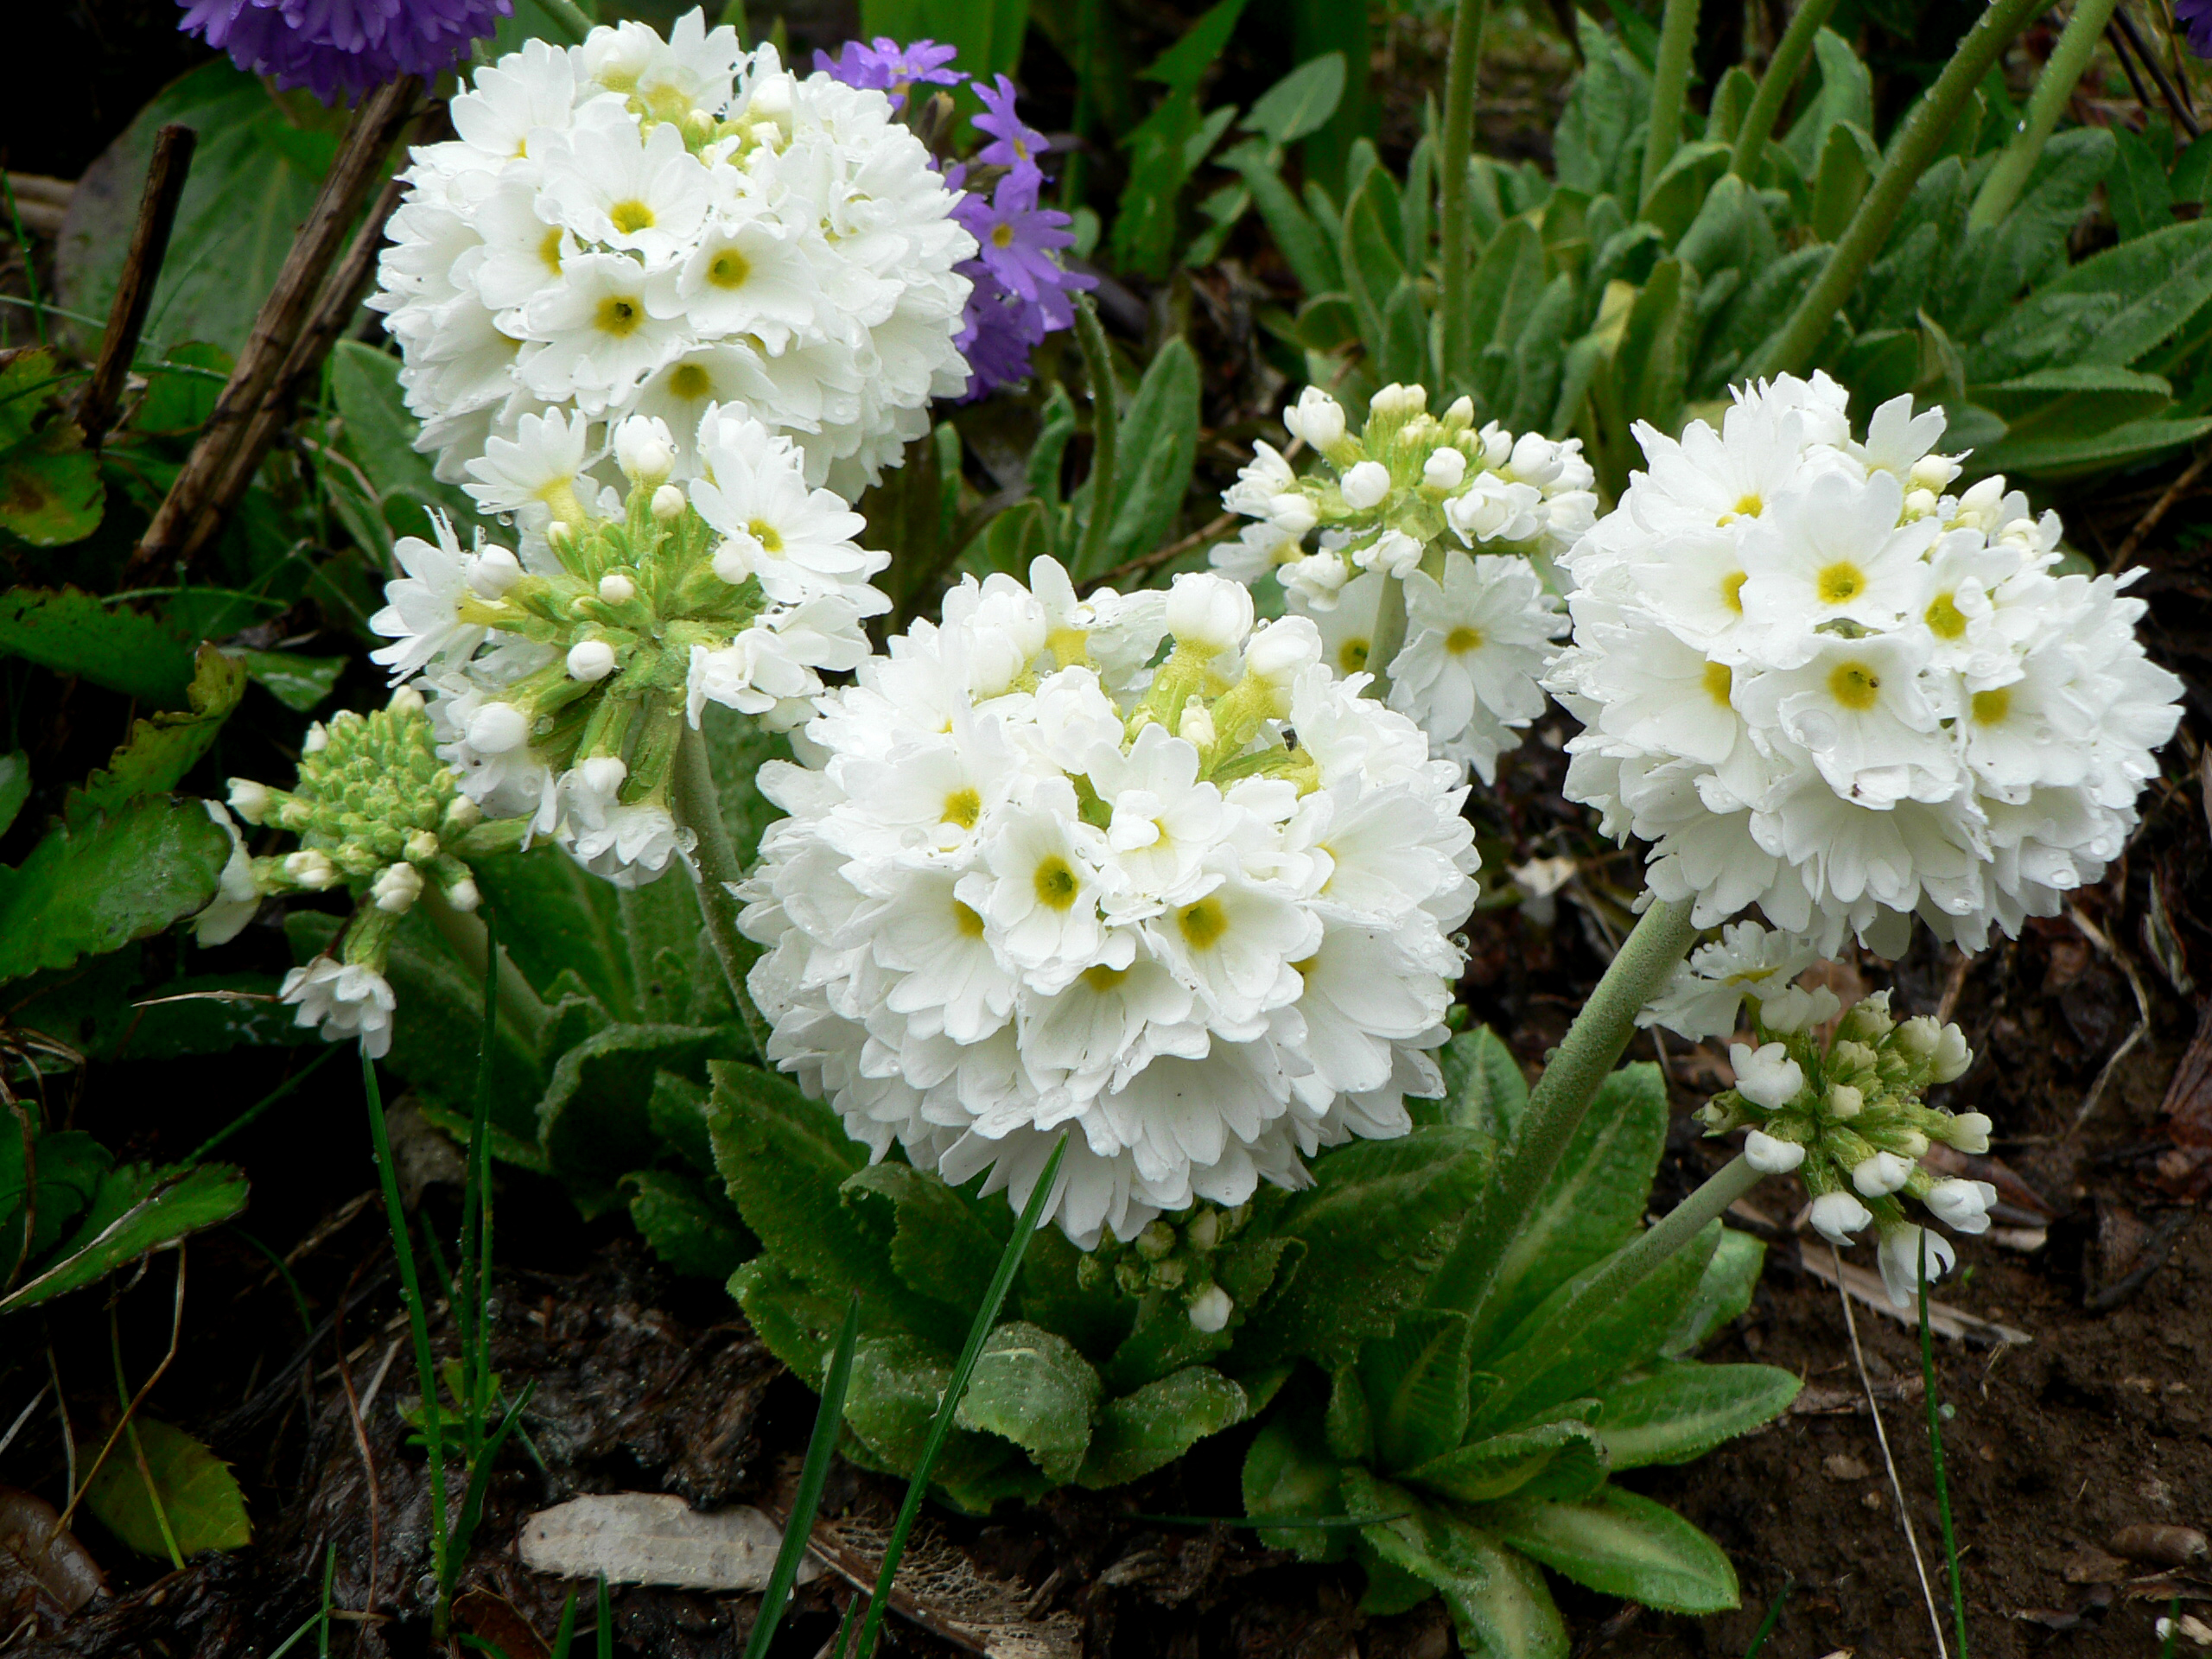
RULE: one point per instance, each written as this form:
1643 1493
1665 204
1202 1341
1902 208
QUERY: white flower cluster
1819 681
1196 910
636 226
1409 497
559 682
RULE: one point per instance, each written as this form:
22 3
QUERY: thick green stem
715 873
570 17
1911 152
2069 59
465 931
1559 1102
1458 153
1782 71
1670 82
1388 638
1105 427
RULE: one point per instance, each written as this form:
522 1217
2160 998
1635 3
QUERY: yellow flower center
1944 618
1991 707
764 533
1840 583
1055 883
620 315
1203 923
964 807
1855 685
728 268
548 250
1351 656
1001 236
631 217
1731 589
1720 682
969 923
1103 979
690 383
1305 970
1461 641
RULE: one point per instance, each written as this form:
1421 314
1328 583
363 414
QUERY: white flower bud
492 571
309 868
1900 1258
1770 1156
1393 553
590 660
1918 1037
1210 612
420 846
1317 418
1398 400
461 812
1365 486
1462 412
1885 1172
1932 473
405 702
1280 649
1204 1232
1837 1216
1918 503
1196 726
1292 513
1969 1132
1766 1077
316 741
497 727
1963 1206
1845 1102
250 800
669 503
1793 1009
397 888
1952 1056
1157 1240
733 560
616 588
644 451
1445 470
1210 1308
463 896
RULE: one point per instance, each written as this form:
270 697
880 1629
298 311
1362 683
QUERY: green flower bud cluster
1847 1114
1175 1256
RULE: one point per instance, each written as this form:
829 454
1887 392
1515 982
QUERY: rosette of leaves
1596 304
1475 1444
1094 1376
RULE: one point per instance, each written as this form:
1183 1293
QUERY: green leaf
689 1228
1846 93
1566 1458
1482 1086
1497 1601
1301 102
1159 432
72 632
1417 1379
15 786
2058 456
1347 1426
677 1108
1621 1544
379 434
1848 161
2032 236
944 1244
795 1320
1681 189
1149 1429
198 1496
1592 1202
592 1119
1375 1225
299 682
1369 252
255 172
1311 254
1682 1410
96 883
1033 1388
50 489
1183 65
135 1209
68 1166
1722 1293
1593 129
988 32
898 1382
1289 1470
162 749
182 389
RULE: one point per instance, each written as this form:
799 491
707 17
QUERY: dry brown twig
2184 481
2111 952
166 174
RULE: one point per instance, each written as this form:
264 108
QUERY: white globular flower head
637 227
1471 520
347 999
1816 685
1058 868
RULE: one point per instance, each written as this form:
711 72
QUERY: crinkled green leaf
1846 93
162 749
1484 1089
72 632
1682 1410
96 883
944 1244
1568 1457
1289 1470
1723 1293
1149 1429
677 1108
1622 1544
1497 1601
198 1496
693 1229
135 1209
1415 1379
2061 455
796 1321
301 684
898 1380
1096 1319
1033 1388
592 1119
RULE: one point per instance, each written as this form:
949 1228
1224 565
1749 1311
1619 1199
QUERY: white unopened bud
1885 1172
1445 470
397 888
616 588
1794 1008
492 571
1919 1037
1292 513
1210 1308
1196 726
734 559
669 503
1210 612
1770 1155
1963 1206
316 741
590 660
644 450
463 896
1952 1056
1836 1216
1317 418
250 800
420 846
461 812
1918 503
1461 413
497 727
1767 1076
1845 1102
1969 1132
1279 650
309 868
1365 486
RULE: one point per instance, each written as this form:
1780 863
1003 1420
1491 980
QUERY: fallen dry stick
134 289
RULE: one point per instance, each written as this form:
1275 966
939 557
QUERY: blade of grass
480 1480
265 1103
471 1306
986 1315
1773 1617
1936 1450
603 1632
1105 429
418 1321
828 1420
329 1577
564 1637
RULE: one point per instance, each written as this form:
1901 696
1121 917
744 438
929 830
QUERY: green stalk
418 1323
1911 152
1454 156
1559 1102
475 1248
1782 71
465 932
570 17
2054 89
806 1501
1105 430
1930 1393
715 872
1389 639
1671 81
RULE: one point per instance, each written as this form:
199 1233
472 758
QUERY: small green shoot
828 1421
1936 1450
1773 1617
564 1636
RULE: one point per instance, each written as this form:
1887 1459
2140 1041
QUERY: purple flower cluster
341 49
1021 290
2196 16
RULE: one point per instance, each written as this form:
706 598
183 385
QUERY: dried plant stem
134 289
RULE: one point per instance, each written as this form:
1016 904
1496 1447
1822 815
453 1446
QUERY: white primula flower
1707 991
641 226
1770 1156
420 608
1475 647
1961 1205
1766 1075
1903 713
1837 1216
345 999
237 894
1193 909
1901 1260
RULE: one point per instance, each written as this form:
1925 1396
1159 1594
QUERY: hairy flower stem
1388 638
571 18
1559 1102
468 936
2054 91
1911 152
1671 80
1105 427
1782 71
1458 144
712 859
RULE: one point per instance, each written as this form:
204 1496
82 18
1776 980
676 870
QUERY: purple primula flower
339 48
887 66
1000 332
1018 238
1014 144
2196 16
